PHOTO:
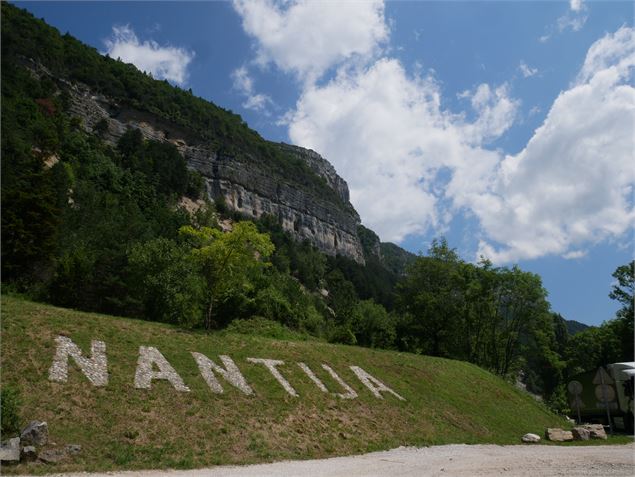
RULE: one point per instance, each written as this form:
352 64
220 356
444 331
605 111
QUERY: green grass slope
121 427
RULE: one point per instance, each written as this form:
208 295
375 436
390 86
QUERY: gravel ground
451 460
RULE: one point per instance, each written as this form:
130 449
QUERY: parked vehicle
604 395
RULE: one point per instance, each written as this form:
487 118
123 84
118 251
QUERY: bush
10 409
259 326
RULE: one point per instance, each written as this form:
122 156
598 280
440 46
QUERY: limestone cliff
327 220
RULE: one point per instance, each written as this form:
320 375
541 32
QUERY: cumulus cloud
308 37
388 135
526 70
572 185
495 109
412 164
244 84
163 62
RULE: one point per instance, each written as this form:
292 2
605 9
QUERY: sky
507 127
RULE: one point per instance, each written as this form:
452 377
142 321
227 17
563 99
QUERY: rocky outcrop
329 223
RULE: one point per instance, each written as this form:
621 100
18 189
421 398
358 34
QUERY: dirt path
451 460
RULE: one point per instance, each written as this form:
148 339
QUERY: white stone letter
313 377
271 366
94 368
231 373
374 384
349 394
148 357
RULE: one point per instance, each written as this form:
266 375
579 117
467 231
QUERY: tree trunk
208 314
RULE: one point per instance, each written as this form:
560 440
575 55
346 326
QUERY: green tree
623 292
167 282
373 326
227 261
431 296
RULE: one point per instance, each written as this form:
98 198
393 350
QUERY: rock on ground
530 438
10 450
581 434
596 431
52 456
29 453
558 435
35 434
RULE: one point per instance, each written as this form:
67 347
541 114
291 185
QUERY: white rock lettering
150 357
94 368
349 394
231 373
373 384
309 372
152 365
271 364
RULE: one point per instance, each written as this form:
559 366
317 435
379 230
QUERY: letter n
94 368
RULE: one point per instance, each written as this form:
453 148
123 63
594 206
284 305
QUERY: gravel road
451 460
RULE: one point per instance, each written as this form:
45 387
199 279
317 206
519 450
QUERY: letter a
148 357
94 368
373 384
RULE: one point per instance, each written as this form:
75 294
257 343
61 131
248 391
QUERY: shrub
10 409
259 326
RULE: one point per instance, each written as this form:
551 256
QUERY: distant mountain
574 327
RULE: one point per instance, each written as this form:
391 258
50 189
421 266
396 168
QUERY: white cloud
387 134
412 165
575 5
526 70
163 62
496 112
575 254
243 83
613 53
572 185
308 37
573 20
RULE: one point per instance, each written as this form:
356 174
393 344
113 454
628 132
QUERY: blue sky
505 126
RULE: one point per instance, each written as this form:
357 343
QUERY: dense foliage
100 228
25 38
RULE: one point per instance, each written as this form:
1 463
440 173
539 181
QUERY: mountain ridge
254 177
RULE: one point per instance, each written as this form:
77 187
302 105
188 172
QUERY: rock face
530 438
35 434
329 223
558 435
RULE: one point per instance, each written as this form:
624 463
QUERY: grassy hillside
120 427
